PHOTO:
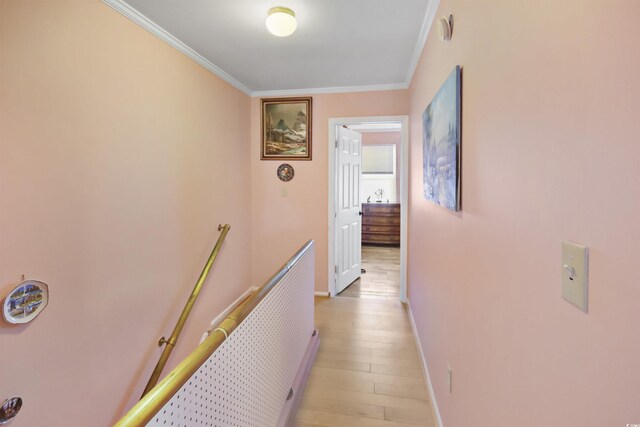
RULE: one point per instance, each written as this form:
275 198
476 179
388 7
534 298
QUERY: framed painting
441 144
286 129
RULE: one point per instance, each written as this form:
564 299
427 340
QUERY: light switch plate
575 274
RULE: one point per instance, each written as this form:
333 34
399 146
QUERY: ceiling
339 46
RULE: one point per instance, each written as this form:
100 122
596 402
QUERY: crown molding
137 17
388 129
377 126
321 90
378 130
429 17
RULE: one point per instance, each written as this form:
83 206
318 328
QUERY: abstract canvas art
441 144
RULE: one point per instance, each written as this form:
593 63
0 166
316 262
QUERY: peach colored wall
386 138
549 152
282 224
118 158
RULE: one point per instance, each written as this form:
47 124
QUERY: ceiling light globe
281 21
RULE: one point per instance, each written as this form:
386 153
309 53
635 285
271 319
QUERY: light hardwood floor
382 278
367 371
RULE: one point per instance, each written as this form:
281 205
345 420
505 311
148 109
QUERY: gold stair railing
153 401
173 339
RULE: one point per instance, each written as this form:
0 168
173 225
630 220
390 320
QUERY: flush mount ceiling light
281 21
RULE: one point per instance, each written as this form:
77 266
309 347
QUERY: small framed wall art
286 129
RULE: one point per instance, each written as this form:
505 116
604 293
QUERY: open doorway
381 201
381 209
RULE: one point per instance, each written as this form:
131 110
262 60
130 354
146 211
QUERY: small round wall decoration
285 172
25 302
10 409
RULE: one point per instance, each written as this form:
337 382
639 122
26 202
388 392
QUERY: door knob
360 213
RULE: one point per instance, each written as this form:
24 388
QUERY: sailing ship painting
286 128
441 144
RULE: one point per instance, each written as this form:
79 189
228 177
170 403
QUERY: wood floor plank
367 399
370 358
378 345
320 381
386 353
330 342
345 408
366 376
400 371
303 424
375 313
419 418
338 420
349 365
369 332
418 392
370 335
389 353
381 326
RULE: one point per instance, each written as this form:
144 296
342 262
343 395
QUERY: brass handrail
143 411
173 339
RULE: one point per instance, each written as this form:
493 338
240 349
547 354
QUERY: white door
348 215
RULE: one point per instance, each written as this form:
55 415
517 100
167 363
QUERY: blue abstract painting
441 145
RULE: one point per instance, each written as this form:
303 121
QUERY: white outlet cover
575 274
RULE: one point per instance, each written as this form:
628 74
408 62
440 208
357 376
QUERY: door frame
404 194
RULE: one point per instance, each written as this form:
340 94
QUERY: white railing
250 379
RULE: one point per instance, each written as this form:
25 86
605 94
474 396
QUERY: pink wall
282 224
386 138
118 158
549 152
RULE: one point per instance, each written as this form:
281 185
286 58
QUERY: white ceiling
339 46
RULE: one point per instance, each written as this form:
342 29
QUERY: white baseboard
226 312
425 370
322 294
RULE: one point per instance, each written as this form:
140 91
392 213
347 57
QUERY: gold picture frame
286 125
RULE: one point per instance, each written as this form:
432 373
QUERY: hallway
367 371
